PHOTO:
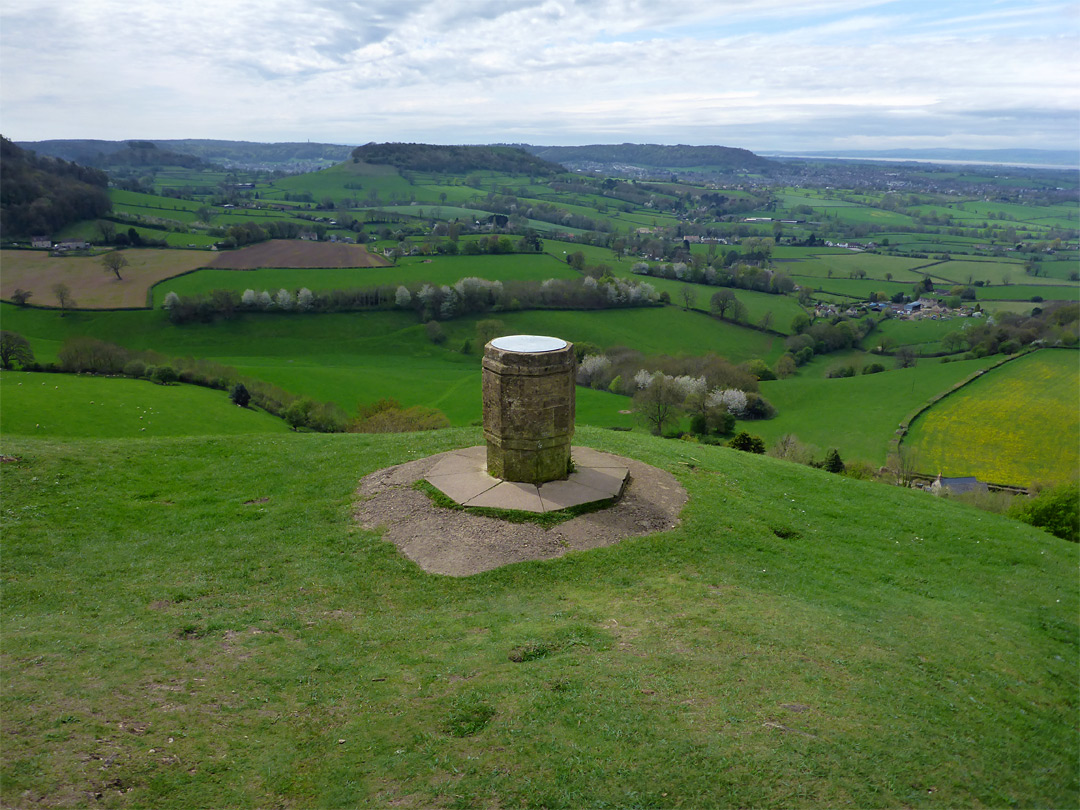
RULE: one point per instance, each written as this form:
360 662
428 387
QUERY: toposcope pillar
528 386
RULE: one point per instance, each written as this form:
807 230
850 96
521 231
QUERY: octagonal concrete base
462 476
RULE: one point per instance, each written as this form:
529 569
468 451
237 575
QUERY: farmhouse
40 242
73 244
309 236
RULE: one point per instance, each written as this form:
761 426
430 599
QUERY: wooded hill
455 159
40 195
227 153
653 155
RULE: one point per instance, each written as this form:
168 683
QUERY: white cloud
544 70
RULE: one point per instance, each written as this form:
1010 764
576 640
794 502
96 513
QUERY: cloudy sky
759 74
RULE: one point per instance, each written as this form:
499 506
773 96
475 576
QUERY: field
924 334
297 253
351 358
91 285
69 406
1015 425
218 632
410 271
857 415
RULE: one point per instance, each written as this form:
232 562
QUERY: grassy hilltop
197 622
192 616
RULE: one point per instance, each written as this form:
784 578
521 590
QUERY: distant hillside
40 195
1006 157
653 156
114 154
435 158
247 153
194 152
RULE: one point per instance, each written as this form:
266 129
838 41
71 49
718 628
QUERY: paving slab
462 476
587 457
478 452
456 464
462 487
609 480
564 494
509 495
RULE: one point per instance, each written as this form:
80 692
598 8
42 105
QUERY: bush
747 443
757 407
832 462
1057 510
135 368
435 332
387 416
14 348
81 354
240 395
873 368
759 369
164 375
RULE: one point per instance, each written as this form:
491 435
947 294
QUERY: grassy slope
438 270
1015 425
178 645
856 415
66 405
363 356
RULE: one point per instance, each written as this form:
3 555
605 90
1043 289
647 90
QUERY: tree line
468 296
41 195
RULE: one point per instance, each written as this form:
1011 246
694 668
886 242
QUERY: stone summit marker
525 465
528 385
528 390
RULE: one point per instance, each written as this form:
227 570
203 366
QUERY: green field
411 272
993 273
1025 292
69 406
217 632
857 415
841 266
920 333
1015 425
360 357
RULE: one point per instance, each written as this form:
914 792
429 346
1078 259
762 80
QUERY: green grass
914 333
1025 292
66 405
345 358
995 273
857 415
842 265
652 330
410 272
1014 425
213 630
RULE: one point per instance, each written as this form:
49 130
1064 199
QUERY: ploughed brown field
297 253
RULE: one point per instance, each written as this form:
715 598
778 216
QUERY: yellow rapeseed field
1017 424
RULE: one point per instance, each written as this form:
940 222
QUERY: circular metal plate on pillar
529 344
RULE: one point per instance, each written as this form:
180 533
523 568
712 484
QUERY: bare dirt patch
297 253
91 285
454 543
